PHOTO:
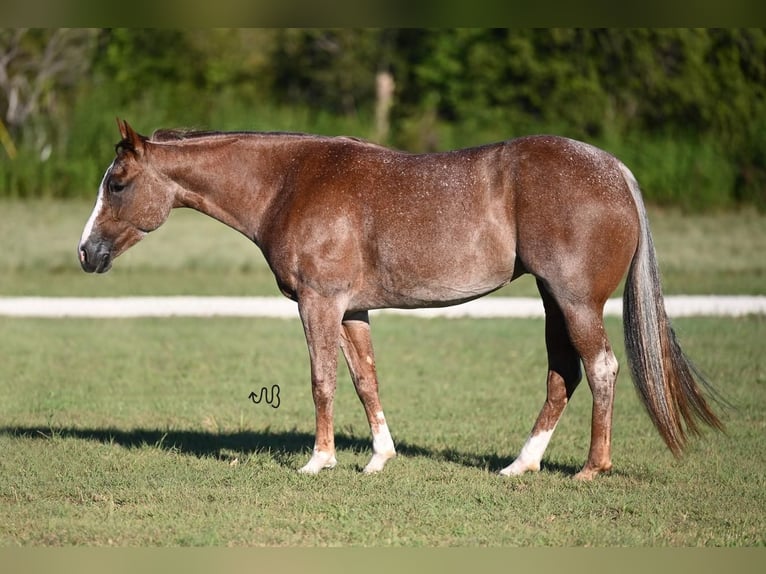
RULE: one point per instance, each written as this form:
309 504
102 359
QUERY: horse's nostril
83 255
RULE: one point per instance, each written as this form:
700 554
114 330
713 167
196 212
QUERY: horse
348 226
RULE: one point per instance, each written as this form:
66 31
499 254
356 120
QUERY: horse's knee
366 387
323 391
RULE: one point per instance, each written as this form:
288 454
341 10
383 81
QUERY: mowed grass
195 255
140 432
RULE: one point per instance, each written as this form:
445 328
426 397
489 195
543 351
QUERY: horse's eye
116 186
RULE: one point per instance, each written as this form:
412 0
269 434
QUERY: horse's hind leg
357 349
601 368
586 329
564 375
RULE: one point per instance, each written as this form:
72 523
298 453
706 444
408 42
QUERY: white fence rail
487 307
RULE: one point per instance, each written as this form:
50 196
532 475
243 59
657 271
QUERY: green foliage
673 171
694 100
133 58
688 106
332 70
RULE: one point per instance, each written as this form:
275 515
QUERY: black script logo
271 396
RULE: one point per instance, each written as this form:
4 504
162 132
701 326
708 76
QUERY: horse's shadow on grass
282 446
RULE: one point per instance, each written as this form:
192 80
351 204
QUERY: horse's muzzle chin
95 260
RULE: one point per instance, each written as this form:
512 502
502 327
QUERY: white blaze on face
96 209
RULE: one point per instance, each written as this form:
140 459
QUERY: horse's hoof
377 462
319 461
590 472
516 468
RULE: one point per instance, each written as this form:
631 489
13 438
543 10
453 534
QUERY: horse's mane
170 135
180 134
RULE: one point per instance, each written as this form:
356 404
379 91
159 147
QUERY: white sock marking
318 461
530 456
382 446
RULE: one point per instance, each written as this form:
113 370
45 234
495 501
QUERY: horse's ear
130 138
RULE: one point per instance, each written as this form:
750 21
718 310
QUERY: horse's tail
663 376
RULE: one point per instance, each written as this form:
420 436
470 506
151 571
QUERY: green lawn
192 254
140 432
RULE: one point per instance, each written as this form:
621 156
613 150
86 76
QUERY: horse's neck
227 180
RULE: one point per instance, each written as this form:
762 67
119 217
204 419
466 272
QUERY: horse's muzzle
95 257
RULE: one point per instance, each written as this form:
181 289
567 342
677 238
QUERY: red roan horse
348 226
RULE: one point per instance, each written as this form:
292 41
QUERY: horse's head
133 199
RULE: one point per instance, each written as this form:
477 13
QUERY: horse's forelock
124 145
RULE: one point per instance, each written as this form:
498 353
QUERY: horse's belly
435 277
438 295
439 250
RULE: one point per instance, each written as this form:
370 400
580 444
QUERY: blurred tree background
684 108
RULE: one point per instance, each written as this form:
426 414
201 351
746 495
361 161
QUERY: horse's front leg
321 323
357 349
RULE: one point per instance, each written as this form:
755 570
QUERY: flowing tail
663 376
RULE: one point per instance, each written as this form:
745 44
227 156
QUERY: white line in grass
277 307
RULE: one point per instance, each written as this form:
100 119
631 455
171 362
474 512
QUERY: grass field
192 254
140 431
